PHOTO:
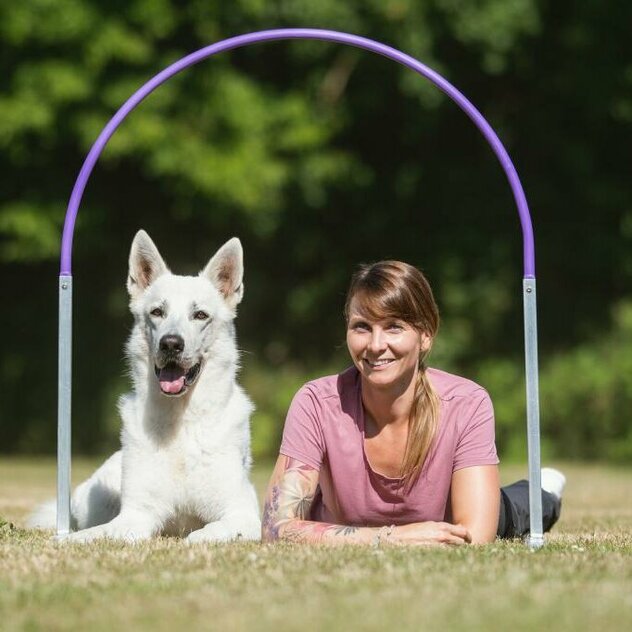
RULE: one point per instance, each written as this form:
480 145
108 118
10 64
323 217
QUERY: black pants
514 510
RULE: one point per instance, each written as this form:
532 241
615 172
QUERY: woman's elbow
482 538
266 535
482 534
272 527
270 531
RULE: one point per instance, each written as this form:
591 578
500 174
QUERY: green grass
582 579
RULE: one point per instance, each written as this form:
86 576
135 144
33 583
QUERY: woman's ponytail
422 426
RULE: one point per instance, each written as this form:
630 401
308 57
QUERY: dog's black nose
172 343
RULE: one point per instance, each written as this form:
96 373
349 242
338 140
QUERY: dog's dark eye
158 312
200 315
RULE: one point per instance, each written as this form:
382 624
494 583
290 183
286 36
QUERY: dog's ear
145 264
226 272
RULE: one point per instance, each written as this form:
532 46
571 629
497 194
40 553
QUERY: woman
389 450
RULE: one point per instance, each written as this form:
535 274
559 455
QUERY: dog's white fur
185 457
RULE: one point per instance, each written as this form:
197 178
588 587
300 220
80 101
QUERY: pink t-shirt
324 428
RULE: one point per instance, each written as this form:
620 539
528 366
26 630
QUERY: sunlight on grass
582 580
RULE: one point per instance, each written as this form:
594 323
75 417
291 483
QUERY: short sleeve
476 444
302 434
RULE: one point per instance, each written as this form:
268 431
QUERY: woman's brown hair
393 289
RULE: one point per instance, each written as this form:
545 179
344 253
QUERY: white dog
185 457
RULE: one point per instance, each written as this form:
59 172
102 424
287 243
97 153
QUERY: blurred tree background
320 157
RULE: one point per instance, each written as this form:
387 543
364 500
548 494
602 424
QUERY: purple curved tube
315 34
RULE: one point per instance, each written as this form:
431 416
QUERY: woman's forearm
414 534
310 531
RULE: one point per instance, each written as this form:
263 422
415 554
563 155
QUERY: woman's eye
200 315
360 327
158 312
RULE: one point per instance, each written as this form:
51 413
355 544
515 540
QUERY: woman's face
385 351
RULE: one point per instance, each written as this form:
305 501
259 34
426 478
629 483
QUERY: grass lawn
582 579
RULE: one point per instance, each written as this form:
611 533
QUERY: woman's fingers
460 531
452 540
432 533
452 534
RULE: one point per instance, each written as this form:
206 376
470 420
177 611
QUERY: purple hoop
536 538
314 34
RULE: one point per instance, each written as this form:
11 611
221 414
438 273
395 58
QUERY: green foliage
492 27
35 229
584 393
272 390
587 394
319 157
579 580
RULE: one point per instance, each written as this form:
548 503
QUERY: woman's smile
378 365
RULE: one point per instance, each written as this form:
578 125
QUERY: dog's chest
202 479
191 458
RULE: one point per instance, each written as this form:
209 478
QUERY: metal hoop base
535 542
536 539
64 393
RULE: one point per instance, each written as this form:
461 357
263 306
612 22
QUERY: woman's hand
429 534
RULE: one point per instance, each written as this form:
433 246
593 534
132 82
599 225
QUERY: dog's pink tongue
171 379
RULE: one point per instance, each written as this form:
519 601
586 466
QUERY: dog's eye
200 315
158 312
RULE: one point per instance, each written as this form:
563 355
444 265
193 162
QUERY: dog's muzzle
174 379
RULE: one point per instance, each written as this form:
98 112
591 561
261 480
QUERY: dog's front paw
110 531
222 532
213 532
83 536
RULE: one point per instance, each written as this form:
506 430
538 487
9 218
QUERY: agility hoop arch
536 537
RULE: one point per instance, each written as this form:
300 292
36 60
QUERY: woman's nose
377 342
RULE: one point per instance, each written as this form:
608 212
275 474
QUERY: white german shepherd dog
183 467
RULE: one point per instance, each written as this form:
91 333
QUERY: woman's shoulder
449 386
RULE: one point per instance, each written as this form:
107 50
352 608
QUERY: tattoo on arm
289 500
290 496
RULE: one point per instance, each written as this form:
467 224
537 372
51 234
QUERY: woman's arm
475 501
289 498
